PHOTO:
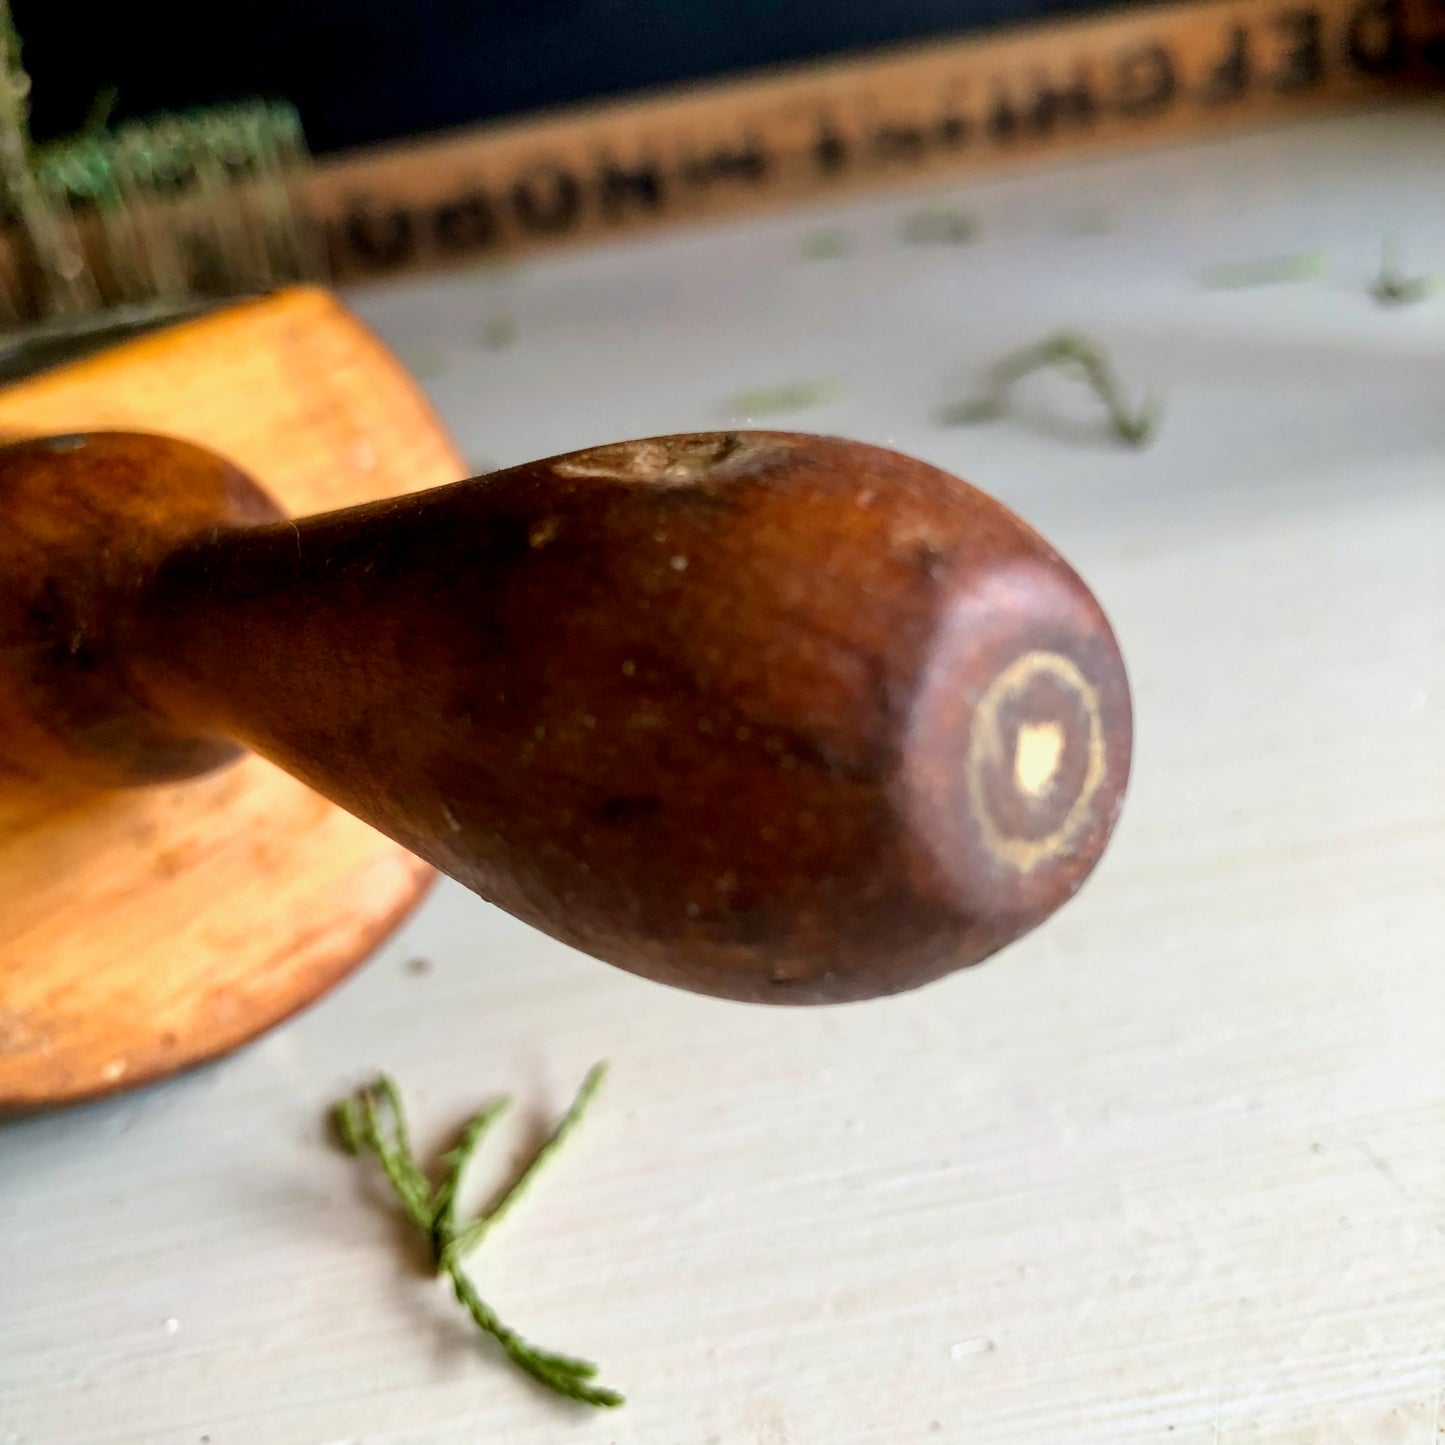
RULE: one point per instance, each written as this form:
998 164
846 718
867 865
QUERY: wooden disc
147 930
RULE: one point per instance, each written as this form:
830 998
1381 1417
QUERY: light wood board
1169 1172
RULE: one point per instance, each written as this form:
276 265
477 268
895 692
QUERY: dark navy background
372 70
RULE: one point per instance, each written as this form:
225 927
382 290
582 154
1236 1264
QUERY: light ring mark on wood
1035 759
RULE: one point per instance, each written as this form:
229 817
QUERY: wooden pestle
764 715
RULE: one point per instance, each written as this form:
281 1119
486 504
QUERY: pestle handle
765 715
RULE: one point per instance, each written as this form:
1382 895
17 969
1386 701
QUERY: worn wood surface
1170 1171
148 929
767 715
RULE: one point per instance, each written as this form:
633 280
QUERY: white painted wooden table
1172 1169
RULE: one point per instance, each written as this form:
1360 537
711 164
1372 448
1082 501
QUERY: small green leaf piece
824 245
792 396
1393 287
1266 271
939 226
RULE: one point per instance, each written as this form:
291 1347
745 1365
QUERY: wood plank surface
1170 1172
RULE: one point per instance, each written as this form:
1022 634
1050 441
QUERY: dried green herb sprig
941 226
790 396
372 1121
1266 271
1074 353
499 333
1392 286
825 245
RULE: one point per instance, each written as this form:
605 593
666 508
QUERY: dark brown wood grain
84 519
765 715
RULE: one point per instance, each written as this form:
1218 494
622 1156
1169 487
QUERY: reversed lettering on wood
734 146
